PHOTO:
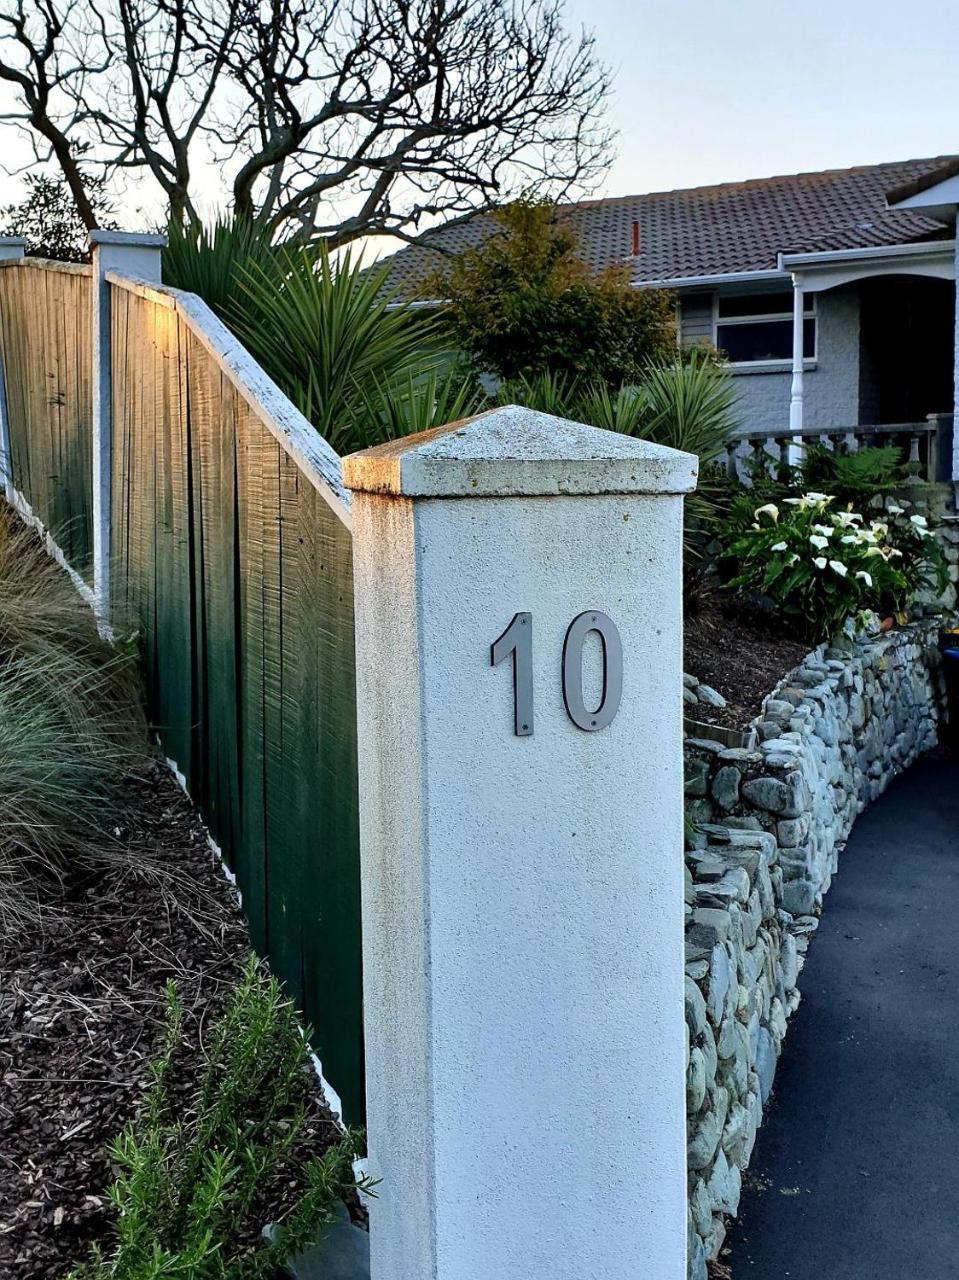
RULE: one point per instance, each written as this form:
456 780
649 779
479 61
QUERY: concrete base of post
522 893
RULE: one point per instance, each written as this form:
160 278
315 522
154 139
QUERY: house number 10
517 640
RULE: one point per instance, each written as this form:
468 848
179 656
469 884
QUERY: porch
875 357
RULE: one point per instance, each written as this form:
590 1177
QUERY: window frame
810 301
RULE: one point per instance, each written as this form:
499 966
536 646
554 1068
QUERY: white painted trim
731 277
828 270
301 441
744 367
790 261
127 239
799 346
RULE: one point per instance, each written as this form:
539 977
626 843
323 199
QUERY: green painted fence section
45 325
237 571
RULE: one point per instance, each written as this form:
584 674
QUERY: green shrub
821 565
210 259
686 403
853 475
195 1171
337 340
524 303
415 403
849 477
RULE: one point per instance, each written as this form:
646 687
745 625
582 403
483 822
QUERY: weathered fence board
238 574
45 322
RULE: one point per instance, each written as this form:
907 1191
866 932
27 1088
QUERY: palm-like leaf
333 336
208 259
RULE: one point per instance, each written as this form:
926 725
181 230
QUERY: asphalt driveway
855 1175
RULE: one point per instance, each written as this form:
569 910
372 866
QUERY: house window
755 328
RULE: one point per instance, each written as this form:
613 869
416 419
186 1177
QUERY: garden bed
81 1015
741 656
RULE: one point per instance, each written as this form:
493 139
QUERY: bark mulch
81 1009
743 655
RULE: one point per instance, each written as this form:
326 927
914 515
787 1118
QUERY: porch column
796 394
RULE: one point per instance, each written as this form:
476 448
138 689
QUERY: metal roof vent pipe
636 249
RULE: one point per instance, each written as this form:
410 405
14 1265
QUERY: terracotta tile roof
736 226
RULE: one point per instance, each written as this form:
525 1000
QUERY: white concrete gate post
137 255
522 869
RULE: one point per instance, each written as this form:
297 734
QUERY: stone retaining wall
769 825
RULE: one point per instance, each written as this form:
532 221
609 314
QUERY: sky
730 89
720 90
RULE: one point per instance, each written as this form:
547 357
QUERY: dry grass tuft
70 728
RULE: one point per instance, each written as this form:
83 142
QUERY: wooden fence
232 559
45 322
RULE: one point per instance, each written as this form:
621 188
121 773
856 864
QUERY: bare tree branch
330 120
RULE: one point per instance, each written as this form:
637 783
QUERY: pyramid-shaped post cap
517 452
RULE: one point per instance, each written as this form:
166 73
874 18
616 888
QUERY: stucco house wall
831 387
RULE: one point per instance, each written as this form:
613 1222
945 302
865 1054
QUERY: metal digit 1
579 629
517 640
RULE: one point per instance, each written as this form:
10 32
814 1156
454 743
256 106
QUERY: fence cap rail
49 264
517 452
130 239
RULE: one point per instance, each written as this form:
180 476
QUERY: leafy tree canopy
525 303
48 219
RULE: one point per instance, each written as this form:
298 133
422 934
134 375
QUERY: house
832 294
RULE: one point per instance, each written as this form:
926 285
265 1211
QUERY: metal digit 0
579 629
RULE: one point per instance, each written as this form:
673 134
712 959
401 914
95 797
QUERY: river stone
342 1254
764 1062
697 775
726 786
700 1208
719 978
709 1131
771 794
696 1262
790 831
710 696
695 1081
799 896
695 1007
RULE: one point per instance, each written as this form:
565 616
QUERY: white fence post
11 249
518 644
133 254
